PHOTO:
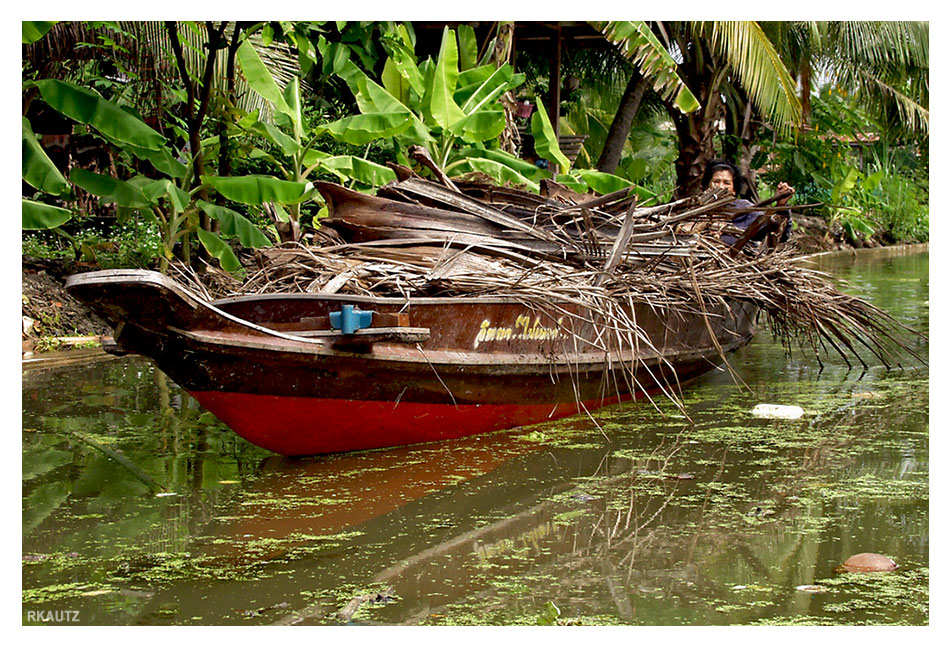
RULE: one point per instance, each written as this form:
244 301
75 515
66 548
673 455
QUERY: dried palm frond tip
418 238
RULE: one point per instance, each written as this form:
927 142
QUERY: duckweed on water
55 592
871 486
565 524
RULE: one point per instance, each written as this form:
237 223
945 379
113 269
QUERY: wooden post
554 88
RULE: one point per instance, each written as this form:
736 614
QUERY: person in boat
724 175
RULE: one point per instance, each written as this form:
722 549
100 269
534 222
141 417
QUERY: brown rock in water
868 563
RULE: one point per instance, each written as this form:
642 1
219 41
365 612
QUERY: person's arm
784 187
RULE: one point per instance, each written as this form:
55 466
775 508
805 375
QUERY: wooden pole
554 88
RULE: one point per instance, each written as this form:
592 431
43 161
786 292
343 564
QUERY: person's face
722 179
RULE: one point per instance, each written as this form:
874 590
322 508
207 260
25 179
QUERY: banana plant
174 208
40 173
851 197
449 106
294 138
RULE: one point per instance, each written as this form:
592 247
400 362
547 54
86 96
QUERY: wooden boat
302 374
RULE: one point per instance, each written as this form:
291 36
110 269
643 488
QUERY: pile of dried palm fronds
419 238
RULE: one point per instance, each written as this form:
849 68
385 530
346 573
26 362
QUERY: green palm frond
881 44
886 64
639 45
758 67
878 96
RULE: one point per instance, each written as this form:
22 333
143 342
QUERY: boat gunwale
447 358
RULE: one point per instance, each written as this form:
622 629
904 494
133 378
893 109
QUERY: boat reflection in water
296 502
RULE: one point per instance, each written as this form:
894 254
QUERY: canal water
139 508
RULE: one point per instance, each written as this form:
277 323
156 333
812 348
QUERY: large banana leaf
34 30
292 99
404 61
220 250
601 182
524 168
480 94
348 167
373 99
258 189
439 103
472 78
545 141
234 224
252 124
155 190
501 173
260 79
479 126
91 108
163 159
468 47
110 189
362 129
395 82
334 55
37 215
38 169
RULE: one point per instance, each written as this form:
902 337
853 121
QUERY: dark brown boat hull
487 364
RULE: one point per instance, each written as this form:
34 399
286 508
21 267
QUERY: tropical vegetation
144 142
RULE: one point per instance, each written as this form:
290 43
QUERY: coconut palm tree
886 66
883 65
719 59
710 58
749 74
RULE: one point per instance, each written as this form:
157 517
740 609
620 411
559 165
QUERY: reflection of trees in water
648 539
78 499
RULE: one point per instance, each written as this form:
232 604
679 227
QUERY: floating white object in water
777 411
811 588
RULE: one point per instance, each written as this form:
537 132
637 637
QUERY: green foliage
132 243
545 142
38 170
358 96
637 42
169 202
34 30
37 215
90 108
446 105
863 183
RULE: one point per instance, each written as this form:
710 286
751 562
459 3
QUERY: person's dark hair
719 165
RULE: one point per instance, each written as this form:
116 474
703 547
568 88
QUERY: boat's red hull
303 426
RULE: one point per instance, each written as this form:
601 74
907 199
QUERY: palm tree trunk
696 137
806 93
510 139
623 121
696 132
